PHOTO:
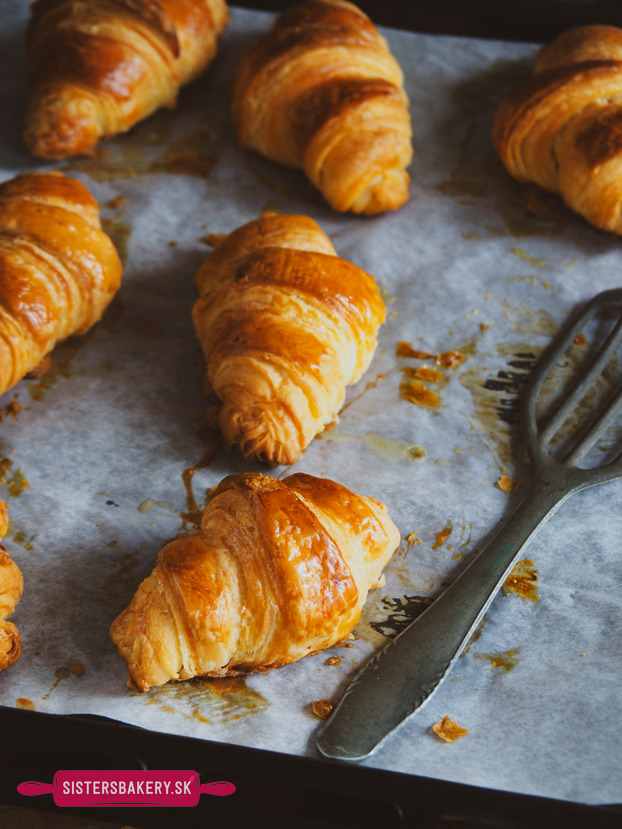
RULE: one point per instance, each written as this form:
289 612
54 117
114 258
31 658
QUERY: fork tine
587 440
558 417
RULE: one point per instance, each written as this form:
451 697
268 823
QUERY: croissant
278 570
561 128
322 93
58 269
11 586
97 67
285 325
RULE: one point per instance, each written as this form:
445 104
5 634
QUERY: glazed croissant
321 92
285 325
278 570
11 586
561 129
58 269
97 67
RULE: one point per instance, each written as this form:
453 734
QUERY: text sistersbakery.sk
126 787
145 787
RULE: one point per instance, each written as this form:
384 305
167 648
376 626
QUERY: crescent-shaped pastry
11 586
278 570
321 92
562 129
285 325
58 269
97 67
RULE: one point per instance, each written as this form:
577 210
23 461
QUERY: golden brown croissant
561 128
11 586
321 92
100 66
278 570
58 269
285 326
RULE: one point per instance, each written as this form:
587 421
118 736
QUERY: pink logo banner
126 788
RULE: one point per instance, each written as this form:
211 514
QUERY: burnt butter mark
402 611
510 382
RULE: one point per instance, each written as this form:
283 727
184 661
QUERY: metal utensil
403 676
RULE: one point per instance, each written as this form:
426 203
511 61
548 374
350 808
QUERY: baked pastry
58 269
278 570
11 586
285 325
561 128
321 92
97 67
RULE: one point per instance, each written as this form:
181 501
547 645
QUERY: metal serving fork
404 675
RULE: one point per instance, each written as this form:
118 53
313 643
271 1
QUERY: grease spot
223 700
504 661
523 580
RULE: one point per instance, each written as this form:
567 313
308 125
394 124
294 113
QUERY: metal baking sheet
106 458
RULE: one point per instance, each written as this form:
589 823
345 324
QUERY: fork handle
403 676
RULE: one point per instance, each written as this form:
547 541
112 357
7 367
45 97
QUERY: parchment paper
94 454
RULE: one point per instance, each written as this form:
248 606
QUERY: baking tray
274 789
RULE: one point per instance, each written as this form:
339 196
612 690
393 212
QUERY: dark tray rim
279 790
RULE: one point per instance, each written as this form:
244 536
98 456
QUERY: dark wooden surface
534 21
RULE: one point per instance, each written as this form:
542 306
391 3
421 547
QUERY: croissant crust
321 92
58 269
562 129
97 67
285 325
278 570
11 586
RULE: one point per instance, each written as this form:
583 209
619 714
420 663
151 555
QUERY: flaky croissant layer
562 129
278 570
285 325
98 67
58 269
11 586
321 92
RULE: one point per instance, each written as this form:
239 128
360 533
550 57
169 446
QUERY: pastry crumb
416 392
450 359
508 484
424 372
116 203
448 730
13 408
523 580
323 708
404 349
213 239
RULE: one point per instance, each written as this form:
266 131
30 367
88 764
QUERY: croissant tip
56 128
387 191
140 688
